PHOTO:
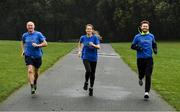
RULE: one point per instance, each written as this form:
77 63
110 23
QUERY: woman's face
145 27
89 30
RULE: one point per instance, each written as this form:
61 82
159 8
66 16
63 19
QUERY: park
60 85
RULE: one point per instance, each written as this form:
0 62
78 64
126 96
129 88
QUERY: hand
22 54
35 45
91 44
155 51
139 48
79 54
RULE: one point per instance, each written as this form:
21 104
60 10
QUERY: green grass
166 75
13 73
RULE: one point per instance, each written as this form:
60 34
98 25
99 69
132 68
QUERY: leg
37 63
36 78
88 70
30 69
92 76
141 68
88 73
36 75
31 74
149 69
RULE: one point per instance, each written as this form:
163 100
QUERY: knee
30 70
141 76
93 77
92 74
148 76
36 71
88 71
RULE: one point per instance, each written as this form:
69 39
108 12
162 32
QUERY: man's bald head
30 26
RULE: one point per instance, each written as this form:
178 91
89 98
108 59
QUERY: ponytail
96 33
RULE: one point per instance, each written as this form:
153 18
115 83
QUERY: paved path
60 88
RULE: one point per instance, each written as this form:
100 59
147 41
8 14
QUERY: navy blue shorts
36 62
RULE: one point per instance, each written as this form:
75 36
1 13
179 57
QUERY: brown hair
90 25
144 22
95 32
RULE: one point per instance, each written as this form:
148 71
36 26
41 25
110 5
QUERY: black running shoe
35 86
33 91
90 91
140 82
85 86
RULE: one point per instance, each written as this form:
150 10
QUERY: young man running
32 42
144 43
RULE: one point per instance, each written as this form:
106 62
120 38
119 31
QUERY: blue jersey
146 43
89 52
28 39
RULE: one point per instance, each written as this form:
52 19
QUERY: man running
144 43
32 42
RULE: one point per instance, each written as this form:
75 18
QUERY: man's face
145 27
30 26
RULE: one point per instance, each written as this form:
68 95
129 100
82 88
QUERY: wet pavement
60 88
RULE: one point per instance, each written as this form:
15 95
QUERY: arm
96 43
43 44
42 39
95 46
22 48
136 47
79 49
154 46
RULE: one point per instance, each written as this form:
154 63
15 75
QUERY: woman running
88 46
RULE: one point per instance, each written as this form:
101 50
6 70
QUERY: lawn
166 73
13 72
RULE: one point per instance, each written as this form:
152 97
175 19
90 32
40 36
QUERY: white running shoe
146 95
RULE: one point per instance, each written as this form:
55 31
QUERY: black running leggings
90 71
145 68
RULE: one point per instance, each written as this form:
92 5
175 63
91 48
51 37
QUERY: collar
142 33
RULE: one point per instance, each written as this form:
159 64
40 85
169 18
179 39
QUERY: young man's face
145 27
30 26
